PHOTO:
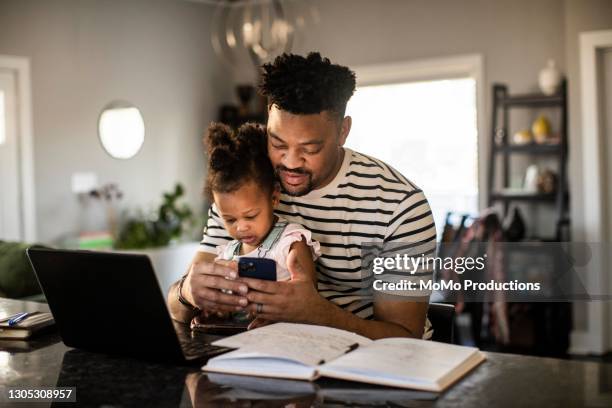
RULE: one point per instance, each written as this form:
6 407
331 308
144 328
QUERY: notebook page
402 360
308 344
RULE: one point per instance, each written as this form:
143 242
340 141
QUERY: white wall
85 53
515 36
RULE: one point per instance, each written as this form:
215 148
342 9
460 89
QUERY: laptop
112 303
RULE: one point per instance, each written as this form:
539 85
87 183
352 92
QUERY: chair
442 318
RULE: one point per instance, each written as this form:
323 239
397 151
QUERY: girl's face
247 212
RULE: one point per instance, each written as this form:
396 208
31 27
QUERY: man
343 197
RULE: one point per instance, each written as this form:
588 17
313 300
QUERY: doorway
17 212
596 101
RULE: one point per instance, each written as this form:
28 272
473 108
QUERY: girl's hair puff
237 157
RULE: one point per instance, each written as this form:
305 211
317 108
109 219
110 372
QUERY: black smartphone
258 268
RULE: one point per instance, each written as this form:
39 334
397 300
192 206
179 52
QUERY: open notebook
307 352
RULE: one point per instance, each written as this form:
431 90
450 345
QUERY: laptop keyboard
198 349
195 344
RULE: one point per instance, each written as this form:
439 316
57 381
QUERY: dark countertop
100 380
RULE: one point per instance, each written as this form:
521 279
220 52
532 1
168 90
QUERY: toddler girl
242 184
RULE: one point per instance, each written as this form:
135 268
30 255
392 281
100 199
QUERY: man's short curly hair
307 85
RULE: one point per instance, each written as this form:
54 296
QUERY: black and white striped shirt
367 201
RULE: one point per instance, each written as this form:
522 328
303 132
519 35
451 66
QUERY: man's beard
290 190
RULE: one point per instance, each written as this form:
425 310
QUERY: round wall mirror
121 129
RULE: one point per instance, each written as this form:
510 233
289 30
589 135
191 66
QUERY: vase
549 78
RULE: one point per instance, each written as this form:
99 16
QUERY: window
428 131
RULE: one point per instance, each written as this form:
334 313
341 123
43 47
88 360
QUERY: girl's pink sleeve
291 234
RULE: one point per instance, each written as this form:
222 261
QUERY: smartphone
258 268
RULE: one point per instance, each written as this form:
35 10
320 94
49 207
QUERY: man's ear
345 128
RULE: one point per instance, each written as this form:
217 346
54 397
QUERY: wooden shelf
532 100
531 148
501 196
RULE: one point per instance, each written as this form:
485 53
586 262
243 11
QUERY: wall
515 37
83 54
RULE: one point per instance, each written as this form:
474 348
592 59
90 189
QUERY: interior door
11 227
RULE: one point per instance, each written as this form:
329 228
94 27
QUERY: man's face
305 150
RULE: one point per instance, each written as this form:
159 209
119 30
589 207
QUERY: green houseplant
171 221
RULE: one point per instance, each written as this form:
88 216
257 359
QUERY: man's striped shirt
368 201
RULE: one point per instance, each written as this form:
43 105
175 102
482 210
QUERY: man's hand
296 300
206 280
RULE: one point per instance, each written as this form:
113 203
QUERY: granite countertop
101 380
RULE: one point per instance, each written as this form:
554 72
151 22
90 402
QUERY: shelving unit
502 147
549 324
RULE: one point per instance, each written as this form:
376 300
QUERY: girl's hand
213 286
